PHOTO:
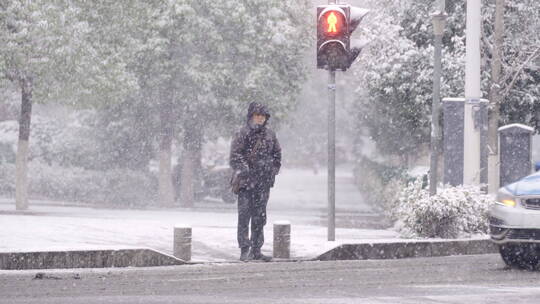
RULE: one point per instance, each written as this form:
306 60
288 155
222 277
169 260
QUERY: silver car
515 222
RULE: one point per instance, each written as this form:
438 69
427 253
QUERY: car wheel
522 256
228 197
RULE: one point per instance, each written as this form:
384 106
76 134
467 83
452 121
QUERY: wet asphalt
457 279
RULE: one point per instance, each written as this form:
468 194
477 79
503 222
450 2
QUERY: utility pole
472 147
495 99
439 18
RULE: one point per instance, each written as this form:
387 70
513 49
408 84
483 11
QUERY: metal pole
438 22
331 155
495 100
471 158
442 5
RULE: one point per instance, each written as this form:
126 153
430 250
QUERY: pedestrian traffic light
356 45
332 37
335 23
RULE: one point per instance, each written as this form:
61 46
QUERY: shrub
8 141
379 183
7 155
124 188
58 183
78 140
112 188
7 179
452 213
52 141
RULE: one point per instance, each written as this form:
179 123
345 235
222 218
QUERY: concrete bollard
182 242
282 240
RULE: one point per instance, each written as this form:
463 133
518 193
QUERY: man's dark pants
252 206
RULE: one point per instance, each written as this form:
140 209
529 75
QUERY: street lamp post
439 21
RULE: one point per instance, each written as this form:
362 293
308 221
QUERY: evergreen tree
394 99
50 51
201 62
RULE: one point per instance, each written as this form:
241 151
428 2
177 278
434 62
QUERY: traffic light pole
335 51
331 155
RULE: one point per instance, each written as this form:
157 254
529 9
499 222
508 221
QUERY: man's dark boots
256 254
244 254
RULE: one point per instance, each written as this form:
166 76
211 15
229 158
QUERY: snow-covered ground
298 190
299 197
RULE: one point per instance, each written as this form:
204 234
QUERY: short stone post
515 152
182 242
282 240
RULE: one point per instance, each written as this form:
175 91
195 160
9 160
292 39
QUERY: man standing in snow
256 156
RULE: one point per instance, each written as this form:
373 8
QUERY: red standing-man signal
332 21
335 25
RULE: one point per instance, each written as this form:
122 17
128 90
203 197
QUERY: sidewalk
45 227
299 197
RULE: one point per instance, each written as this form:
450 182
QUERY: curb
86 259
409 249
147 257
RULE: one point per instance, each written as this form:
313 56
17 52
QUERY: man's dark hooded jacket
258 169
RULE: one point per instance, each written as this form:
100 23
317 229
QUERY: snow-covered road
457 279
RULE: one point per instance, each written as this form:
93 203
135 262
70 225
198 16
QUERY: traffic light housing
335 24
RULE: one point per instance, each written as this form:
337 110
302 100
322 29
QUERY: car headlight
505 198
508 202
